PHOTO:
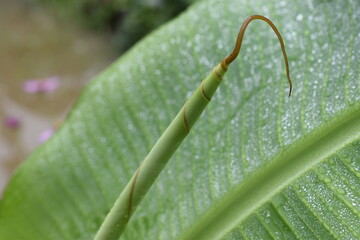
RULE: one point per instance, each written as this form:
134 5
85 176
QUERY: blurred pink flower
45 135
47 85
12 122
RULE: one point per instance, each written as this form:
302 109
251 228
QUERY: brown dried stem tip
231 57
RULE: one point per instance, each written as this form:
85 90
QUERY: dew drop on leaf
299 17
341 191
327 180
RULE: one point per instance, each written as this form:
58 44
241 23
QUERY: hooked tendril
233 55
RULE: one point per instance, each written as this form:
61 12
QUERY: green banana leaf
257 165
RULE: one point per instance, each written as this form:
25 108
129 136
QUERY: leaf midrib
288 165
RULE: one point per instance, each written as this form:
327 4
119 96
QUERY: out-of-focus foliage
128 20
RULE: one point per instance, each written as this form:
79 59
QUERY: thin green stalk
116 220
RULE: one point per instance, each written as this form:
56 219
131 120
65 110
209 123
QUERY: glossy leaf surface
257 165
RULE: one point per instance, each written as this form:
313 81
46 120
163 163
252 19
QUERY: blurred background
49 50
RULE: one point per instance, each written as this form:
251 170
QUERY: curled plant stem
232 56
116 220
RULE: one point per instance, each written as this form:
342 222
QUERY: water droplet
327 180
283 3
341 191
299 17
321 170
267 213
